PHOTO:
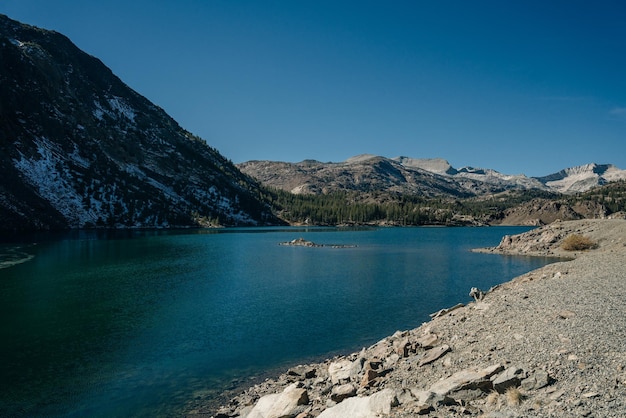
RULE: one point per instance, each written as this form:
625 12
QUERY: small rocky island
549 343
301 242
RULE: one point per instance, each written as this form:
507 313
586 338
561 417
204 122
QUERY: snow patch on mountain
117 107
49 175
582 178
120 106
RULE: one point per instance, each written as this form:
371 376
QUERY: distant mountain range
79 148
426 177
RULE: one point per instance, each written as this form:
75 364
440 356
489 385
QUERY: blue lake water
140 323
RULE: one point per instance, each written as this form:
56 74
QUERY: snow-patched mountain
487 176
371 173
359 174
79 148
583 177
429 177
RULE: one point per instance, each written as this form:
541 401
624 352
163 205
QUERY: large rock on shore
372 406
477 379
287 404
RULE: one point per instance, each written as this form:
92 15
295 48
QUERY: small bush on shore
576 242
513 396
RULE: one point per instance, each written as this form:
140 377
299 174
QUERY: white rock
281 405
340 371
372 406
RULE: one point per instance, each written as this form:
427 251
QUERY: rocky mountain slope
427 177
79 148
356 174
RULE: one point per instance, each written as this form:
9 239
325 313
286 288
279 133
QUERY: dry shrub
493 398
513 396
576 242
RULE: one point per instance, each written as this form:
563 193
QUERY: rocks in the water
301 242
289 403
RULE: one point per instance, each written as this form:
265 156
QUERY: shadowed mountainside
79 148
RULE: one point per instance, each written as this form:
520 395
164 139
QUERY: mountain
371 173
79 148
360 174
583 178
496 180
425 177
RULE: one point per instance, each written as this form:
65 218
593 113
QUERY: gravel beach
550 343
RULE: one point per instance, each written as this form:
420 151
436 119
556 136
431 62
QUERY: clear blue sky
518 86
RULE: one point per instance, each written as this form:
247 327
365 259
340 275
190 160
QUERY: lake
141 323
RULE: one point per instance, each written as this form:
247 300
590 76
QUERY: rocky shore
550 343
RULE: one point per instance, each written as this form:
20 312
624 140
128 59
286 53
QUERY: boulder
467 379
369 377
426 397
287 404
427 340
339 393
477 294
511 377
401 347
372 406
537 380
302 372
381 349
340 371
433 354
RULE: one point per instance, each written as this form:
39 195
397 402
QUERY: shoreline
546 343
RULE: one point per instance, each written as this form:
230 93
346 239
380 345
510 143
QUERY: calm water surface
140 323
